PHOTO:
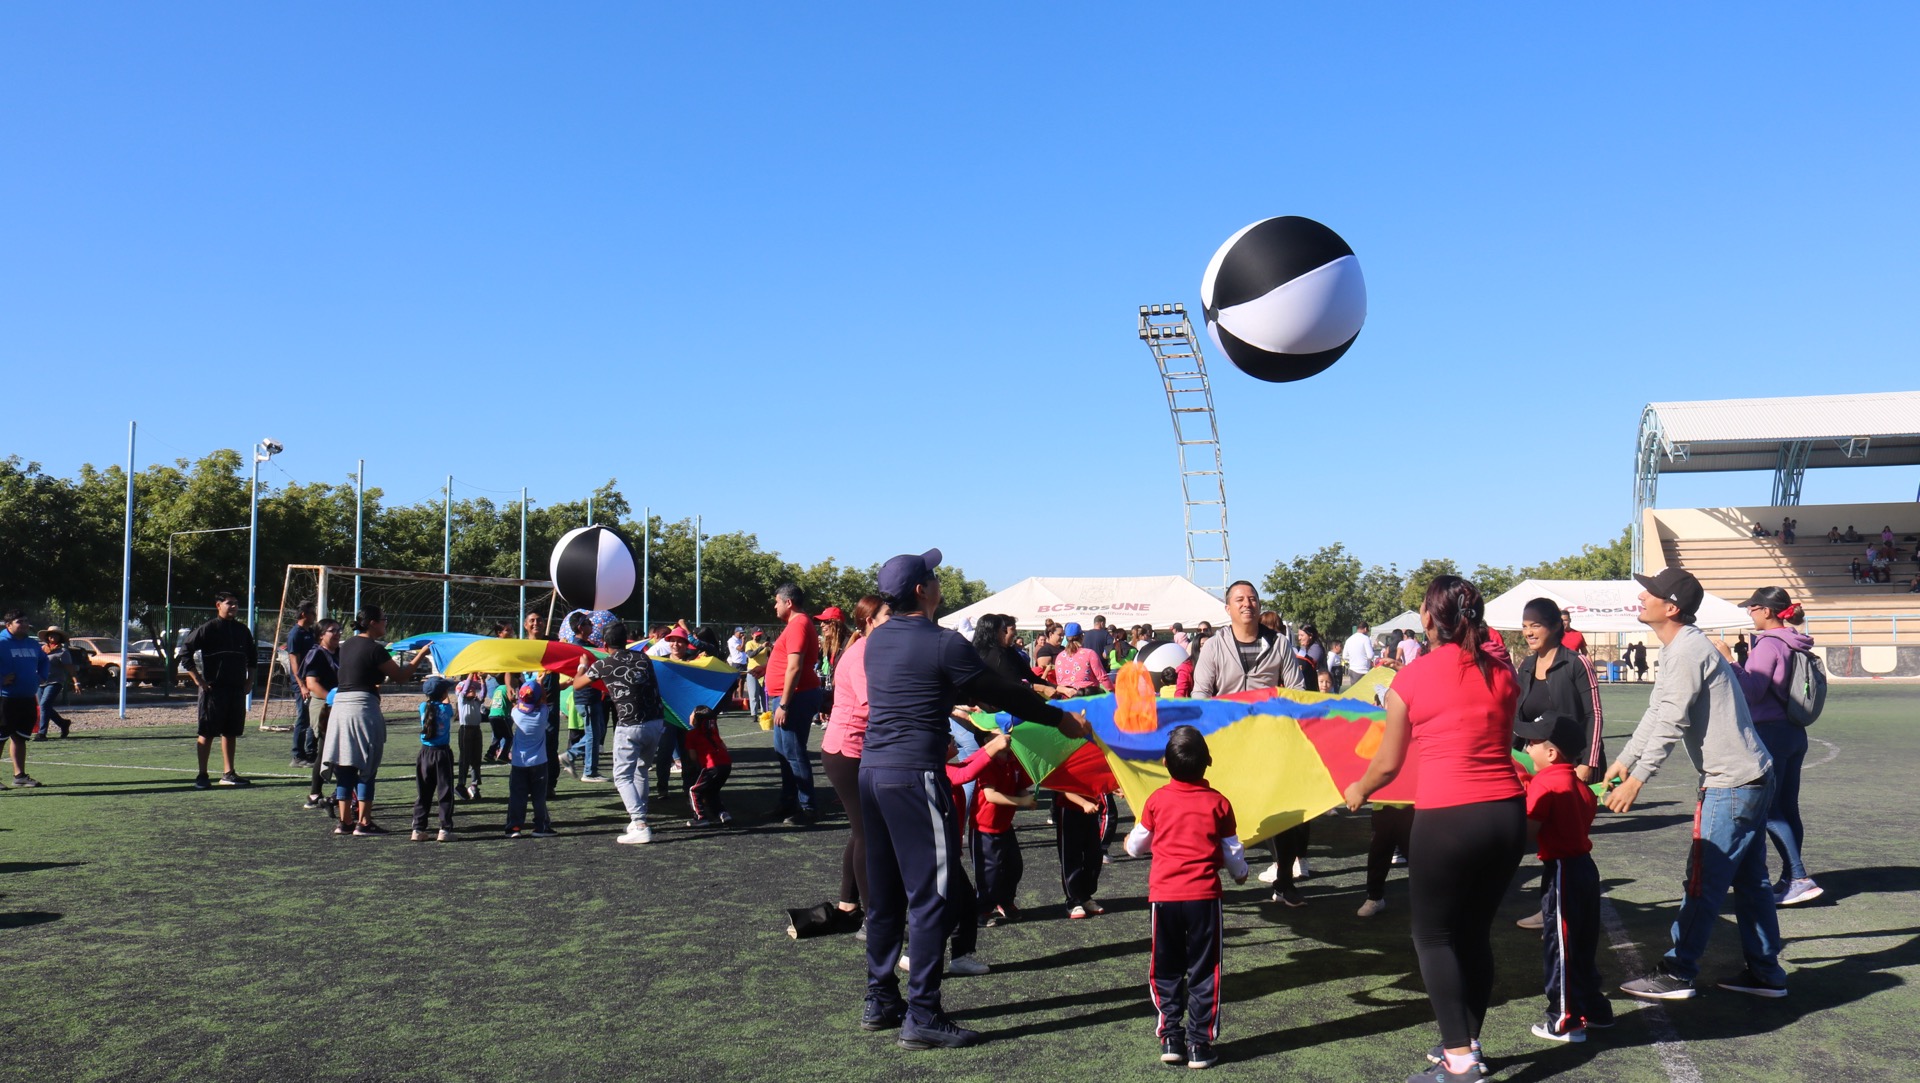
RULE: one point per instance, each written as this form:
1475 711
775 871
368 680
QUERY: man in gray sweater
1697 701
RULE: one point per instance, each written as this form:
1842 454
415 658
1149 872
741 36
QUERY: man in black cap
1697 701
916 671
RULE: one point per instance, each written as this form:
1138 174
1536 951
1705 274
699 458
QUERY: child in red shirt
966 934
997 866
1189 829
1559 812
708 752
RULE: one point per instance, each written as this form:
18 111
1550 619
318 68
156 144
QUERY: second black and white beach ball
592 568
1284 298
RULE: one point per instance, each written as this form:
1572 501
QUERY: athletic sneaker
903 964
593 778
1439 1074
369 829
417 836
567 761
342 829
1437 1056
1077 913
1268 875
1571 1034
941 1032
231 779
1399 858
1201 1055
1094 907
1535 921
1371 907
1660 985
798 818
202 782
637 834
726 819
315 801
1173 1048
966 966
444 836
882 1013
703 823
1599 1022
1753 985
513 833
1301 870
1799 891
544 832
24 782
473 793
1291 896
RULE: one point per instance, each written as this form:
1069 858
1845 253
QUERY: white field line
1667 1043
1833 750
143 767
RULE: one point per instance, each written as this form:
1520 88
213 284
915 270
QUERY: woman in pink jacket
840 756
1764 680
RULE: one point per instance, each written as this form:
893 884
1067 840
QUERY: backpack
1806 688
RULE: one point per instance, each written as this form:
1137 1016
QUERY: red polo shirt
1564 807
1188 821
1573 640
799 641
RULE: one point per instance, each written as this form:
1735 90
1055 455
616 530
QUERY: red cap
831 612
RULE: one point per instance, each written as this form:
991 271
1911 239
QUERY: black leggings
844 773
1392 830
1463 861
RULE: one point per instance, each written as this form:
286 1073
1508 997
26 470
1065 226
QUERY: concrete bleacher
1717 545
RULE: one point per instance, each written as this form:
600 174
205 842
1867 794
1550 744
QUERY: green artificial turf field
153 932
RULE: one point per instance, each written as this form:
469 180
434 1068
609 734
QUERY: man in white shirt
1359 653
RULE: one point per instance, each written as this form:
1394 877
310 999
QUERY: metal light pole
698 539
126 575
266 449
646 570
521 617
446 562
359 511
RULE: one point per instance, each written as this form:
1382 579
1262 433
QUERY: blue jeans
348 783
1729 851
968 743
790 744
593 707
50 695
1787 744
303 745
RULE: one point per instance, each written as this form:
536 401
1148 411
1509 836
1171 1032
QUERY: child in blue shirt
527 773
433 771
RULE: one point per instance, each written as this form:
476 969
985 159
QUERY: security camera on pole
266 449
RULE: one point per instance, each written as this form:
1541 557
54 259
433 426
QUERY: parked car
105 655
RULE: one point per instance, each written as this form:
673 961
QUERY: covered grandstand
1860 624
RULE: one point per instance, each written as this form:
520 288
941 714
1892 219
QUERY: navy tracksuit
1185 972
915 879
1570 912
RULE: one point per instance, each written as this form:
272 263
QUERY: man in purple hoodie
1763 677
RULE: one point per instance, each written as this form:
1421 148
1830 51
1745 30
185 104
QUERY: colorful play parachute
1061 763
445 647
684 686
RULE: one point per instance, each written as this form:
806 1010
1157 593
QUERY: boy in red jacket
1559 814
1188 827
1001 789
709 754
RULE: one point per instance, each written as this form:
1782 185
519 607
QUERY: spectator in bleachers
1787 527
1913 585
1853 568
1886 536
1851 536
1760 531
1833 536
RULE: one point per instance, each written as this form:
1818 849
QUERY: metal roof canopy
1785 435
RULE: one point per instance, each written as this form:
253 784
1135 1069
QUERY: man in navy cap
916 671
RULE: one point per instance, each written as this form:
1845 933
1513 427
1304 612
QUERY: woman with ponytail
1763 677
1453 708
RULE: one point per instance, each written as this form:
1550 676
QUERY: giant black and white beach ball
593 568
1284 298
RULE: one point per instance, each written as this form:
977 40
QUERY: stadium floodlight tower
1168 334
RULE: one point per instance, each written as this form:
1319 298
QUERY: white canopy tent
1405 622
1159 600
1601 605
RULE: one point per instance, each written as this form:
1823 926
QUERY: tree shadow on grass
24 918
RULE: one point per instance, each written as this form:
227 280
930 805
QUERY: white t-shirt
1359 652
737 651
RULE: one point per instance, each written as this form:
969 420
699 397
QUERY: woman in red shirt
1454 707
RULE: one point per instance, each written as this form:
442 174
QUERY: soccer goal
415 603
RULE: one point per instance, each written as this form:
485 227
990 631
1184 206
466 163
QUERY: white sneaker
966 966
1800 891
638 834
1399 858
1301 870
444 836
903 964
1534 920
1371 907
1271 873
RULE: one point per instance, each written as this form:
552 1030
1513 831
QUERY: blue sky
863 280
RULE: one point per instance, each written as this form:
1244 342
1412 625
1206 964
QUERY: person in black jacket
1555 680
228 657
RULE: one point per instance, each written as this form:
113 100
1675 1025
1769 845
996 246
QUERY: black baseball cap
899 575
1560 730
1678 587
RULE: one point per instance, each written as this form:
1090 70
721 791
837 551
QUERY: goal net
415 603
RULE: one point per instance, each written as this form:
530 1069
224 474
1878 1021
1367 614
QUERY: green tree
1415 590
1613 560
1380 593
1493 580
